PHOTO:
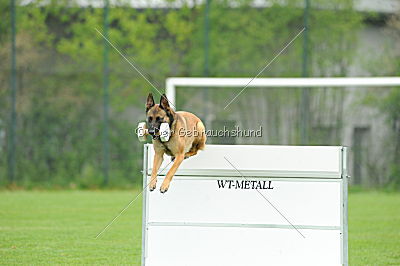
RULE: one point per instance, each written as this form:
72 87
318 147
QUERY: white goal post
174 82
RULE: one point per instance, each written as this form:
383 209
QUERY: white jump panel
260 160
206 202
226 246
213 216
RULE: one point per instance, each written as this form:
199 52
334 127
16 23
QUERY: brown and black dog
187 137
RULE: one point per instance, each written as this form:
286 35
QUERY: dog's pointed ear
164 104
150 102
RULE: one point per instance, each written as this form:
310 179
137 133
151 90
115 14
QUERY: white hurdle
212 215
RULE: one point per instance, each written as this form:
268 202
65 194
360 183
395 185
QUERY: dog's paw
152 186
164 187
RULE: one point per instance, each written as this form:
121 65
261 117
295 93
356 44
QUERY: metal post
305 92
106 73
13 120
206 37
206 56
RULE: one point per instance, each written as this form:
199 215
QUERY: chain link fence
77 101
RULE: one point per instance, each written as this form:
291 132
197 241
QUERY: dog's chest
168 147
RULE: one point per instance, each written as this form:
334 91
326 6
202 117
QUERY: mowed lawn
59 227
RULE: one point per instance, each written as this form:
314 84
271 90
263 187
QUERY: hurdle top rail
274 161
173 82
248 205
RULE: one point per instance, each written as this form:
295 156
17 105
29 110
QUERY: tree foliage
60 57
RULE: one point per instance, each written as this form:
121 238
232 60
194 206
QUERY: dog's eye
150 118
158 118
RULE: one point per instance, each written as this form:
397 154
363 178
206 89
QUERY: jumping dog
187 137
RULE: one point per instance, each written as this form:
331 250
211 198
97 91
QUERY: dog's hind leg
201 142
192 152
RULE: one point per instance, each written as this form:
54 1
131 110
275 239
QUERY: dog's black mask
153 131
157 114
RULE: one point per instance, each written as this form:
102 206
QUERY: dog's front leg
178 160
158 159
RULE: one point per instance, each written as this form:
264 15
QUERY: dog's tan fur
187 137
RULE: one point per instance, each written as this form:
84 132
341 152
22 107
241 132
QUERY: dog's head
157 114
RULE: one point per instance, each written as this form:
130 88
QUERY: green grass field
58 227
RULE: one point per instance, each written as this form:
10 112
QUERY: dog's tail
203 137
